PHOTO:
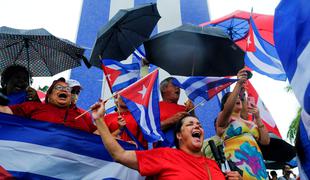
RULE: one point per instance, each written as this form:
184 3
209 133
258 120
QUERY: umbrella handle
88 65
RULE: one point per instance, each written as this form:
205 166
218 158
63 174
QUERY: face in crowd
75 92
171 92
189 134
60 95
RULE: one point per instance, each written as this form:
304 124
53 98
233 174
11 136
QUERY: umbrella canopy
195 51
237 24
278 150
38 50
124 32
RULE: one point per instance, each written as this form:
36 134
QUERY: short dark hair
178 129
224 99
10 70
273 173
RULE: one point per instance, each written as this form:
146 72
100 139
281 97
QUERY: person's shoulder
169 104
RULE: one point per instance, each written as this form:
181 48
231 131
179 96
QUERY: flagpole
199 104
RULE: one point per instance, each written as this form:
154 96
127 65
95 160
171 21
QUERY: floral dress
241 147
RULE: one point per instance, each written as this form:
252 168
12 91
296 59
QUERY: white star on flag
109 76
143 91
249 41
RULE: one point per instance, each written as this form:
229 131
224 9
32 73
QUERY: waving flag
199 86
292 36
142 101
263 58
32 149
120 75
264 112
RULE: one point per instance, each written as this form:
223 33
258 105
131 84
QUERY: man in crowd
286 170
56 109
170 111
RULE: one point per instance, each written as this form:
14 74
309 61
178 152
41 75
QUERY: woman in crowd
240 136
56 108
185 162
15 83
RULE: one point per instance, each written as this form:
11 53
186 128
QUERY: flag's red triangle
111 74
140 91
250 44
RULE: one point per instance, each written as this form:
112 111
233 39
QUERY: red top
169 163
168 109
50 113
131 124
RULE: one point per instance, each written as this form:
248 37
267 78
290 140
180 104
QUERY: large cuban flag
292 37
262 56
32 149
200 86
142 100
120 75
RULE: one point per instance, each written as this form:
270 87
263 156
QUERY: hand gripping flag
292 39
32 149
120 75
142 101
199 86
263 58
264 112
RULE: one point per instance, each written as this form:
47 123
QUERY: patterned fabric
46 54
241 147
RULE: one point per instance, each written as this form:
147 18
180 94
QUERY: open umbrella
278 150
38 50
124 32
195 51
237 25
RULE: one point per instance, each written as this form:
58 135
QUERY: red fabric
50 113
168 163
264 24
4 174
131 124
168 109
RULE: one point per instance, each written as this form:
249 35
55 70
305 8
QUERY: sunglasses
75 91
62 88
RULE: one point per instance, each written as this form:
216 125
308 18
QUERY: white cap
73 83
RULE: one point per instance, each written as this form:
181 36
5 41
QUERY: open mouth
196 134
63 96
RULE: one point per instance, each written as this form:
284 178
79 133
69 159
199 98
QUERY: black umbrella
38 50
124 32
199 51
278 150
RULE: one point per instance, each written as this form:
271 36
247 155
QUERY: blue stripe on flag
265 59
45 150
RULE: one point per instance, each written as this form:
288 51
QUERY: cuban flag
292 37
266 116
120 75
200 86
32 149
142 100
261 56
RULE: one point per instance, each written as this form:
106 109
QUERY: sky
61 18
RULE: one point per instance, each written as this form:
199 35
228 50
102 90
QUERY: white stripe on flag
58 163
305 117
263 66
142 118
276 61
151 115
301 78
126 77
113 66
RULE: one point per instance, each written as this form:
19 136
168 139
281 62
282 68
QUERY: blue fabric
17 98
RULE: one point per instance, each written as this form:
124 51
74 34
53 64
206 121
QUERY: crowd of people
190 159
